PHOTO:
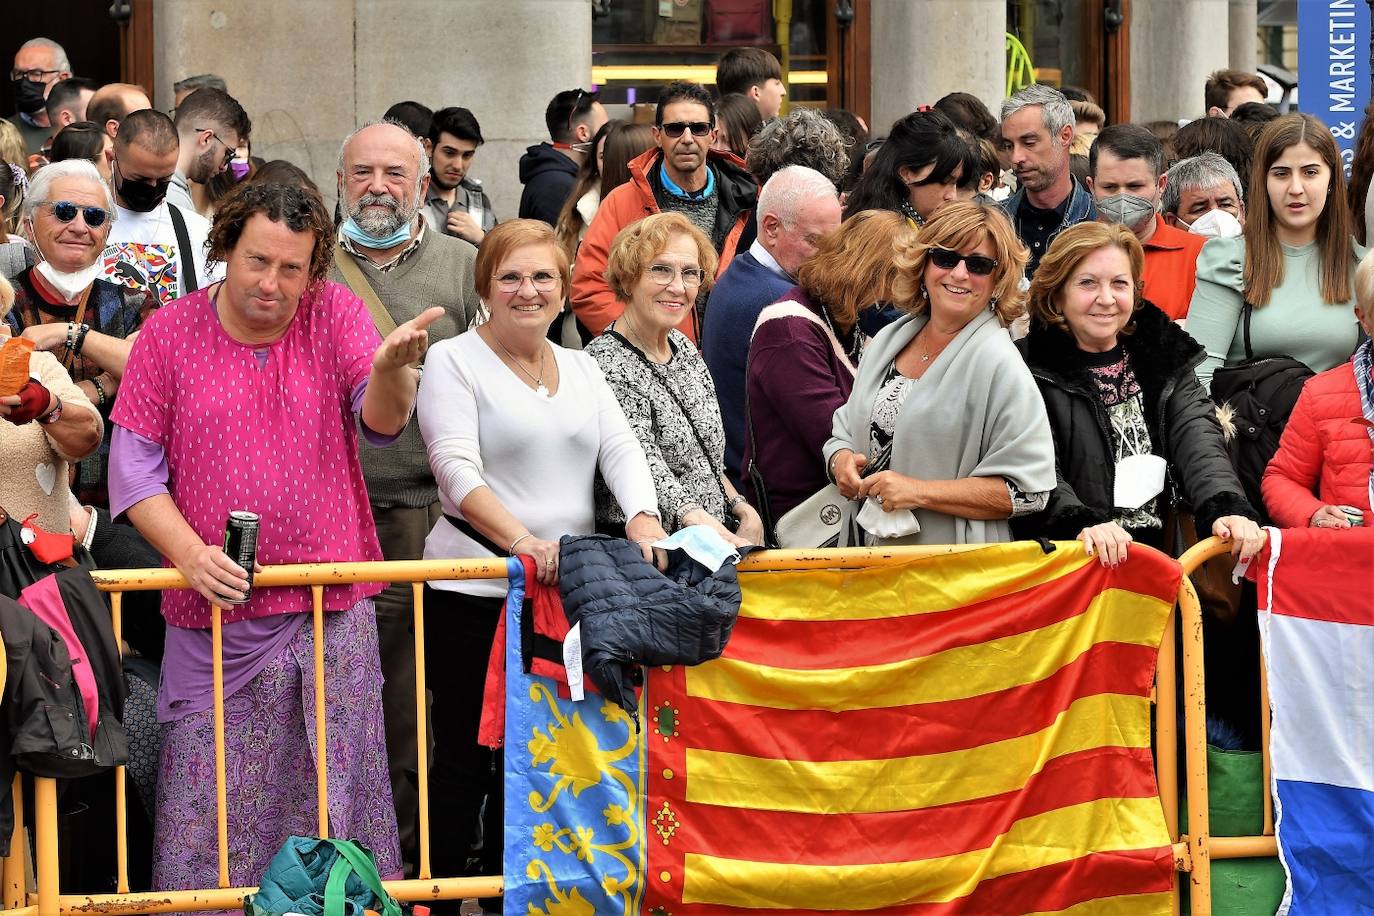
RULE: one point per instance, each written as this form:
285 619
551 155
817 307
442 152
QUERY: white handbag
821 520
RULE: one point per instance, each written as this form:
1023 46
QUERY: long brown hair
1263 254
623 143
856 265
568 228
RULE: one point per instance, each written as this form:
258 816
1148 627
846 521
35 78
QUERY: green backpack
317 877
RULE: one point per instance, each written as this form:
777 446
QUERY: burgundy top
798 375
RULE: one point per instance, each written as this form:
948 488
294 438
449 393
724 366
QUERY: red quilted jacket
1325 453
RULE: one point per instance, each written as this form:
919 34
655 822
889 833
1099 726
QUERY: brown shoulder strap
357 281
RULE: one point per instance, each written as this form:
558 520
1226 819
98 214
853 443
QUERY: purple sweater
798 376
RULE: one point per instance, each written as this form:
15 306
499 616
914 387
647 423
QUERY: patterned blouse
1125 406
673 410
887 407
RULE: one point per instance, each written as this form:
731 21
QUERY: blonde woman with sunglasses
944 436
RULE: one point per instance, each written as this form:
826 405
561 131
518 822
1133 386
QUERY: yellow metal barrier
1191 850
1266 844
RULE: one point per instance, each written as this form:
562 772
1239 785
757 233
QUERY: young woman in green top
1294 264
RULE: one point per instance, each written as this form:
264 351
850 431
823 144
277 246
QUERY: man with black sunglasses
682 174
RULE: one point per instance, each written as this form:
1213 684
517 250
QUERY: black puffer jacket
631 614
1182 421
44 728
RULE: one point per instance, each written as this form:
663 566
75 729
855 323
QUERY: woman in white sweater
516 429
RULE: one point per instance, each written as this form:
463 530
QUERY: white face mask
1217 224
69 285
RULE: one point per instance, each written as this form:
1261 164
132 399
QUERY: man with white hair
796 208
38 64
1197 187
399 267
1037 125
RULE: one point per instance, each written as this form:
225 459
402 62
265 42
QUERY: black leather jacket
1182 422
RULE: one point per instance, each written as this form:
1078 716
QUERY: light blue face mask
359 237
702 544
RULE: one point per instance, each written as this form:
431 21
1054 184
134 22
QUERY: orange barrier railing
41 894
1227 847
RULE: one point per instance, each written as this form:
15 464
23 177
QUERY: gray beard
378 224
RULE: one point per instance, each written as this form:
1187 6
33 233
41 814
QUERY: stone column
1175 44
310 71
1244 34
501 59
289 64
923 49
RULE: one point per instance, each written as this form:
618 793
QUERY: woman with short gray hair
64 303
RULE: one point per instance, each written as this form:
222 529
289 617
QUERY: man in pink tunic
243 396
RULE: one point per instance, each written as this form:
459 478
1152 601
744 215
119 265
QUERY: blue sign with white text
1333 66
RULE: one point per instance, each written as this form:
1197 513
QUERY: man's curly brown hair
300 209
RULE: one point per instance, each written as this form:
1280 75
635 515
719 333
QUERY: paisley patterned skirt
270 763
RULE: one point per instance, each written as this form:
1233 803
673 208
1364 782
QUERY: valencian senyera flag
1316 598
963 733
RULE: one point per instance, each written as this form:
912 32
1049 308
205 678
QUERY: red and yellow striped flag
967 733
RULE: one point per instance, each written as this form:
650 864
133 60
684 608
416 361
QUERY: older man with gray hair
796 208
399 268
1037 125
38 64
1199 186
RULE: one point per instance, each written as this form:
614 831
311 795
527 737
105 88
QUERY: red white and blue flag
1317 619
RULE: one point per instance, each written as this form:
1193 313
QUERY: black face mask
28 95
140 196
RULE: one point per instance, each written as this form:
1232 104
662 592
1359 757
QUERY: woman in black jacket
1117 378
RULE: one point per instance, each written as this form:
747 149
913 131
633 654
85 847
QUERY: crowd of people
976 327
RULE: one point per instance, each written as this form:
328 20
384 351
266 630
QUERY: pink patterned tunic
265 428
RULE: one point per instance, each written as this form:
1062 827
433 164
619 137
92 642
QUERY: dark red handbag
741 22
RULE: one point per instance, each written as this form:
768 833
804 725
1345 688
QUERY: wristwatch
53 415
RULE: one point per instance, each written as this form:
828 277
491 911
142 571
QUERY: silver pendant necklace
539 387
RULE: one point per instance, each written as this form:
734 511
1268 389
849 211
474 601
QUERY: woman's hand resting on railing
1107 542
1247 538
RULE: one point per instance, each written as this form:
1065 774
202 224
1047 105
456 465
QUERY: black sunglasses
674 129
229 151
572 112
977 264
66 211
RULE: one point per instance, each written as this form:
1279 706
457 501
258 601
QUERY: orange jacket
1171 268
592 300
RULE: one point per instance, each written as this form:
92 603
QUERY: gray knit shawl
976 412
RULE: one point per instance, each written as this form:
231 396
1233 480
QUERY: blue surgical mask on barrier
359 237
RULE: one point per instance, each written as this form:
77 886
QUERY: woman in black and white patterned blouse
657 268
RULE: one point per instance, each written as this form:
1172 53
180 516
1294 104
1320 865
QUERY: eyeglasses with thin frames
663 274
543 281
65 211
